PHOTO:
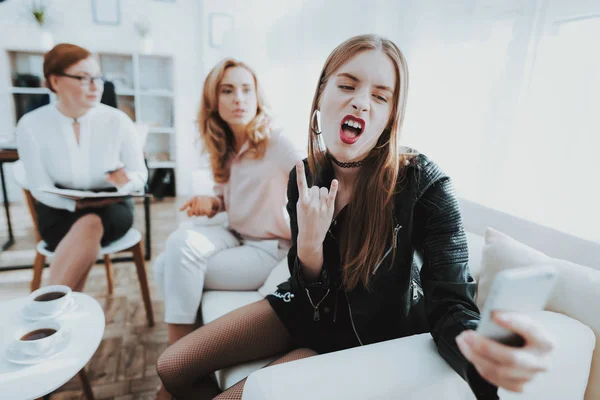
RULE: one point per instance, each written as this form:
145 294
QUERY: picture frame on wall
219 25
106 12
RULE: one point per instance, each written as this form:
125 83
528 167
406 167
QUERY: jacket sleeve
449 288
297 280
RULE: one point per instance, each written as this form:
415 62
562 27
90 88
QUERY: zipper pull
395 235
415 290
316 315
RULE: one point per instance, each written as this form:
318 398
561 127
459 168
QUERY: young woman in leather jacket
379 251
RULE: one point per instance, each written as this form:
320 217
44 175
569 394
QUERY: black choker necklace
352 164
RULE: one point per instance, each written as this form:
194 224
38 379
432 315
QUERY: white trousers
210 257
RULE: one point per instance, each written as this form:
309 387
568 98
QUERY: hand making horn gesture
314 209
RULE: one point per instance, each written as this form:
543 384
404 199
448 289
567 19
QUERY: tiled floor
123 368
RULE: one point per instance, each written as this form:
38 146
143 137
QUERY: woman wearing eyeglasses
78 143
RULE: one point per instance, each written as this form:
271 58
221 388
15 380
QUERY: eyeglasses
86 80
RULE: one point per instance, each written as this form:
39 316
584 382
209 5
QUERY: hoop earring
316 116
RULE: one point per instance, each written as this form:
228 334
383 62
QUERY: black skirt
330 329
54 224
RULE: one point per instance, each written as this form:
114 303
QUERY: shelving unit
143 85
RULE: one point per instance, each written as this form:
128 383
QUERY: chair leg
85 384
140 265
148 220
109 274
38 268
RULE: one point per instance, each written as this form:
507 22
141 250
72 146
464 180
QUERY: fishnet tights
245 334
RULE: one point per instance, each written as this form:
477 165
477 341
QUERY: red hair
61 57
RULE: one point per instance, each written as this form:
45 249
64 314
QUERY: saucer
12 354
29 313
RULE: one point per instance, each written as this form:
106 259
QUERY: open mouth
351 128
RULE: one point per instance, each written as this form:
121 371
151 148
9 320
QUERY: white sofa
410 368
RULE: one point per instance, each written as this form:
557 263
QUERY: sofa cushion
475 243
279 274
568 375
422 373
575 294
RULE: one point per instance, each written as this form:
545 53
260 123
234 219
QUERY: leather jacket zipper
388 251
352 319
416 290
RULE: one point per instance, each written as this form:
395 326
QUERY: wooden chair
131 242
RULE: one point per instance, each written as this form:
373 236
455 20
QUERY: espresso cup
38 338
50 299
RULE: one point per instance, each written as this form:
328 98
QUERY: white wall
504 100
177 31
501 97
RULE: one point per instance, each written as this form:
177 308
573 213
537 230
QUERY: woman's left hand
118 178
505 366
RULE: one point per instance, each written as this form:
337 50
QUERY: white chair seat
131 238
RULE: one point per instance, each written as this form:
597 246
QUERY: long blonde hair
215 133
368 223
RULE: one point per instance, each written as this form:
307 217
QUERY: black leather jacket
429 287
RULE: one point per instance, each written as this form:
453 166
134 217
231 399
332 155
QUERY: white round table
86 326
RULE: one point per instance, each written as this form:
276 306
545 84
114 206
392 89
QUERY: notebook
97 194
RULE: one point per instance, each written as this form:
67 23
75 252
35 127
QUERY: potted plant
38 9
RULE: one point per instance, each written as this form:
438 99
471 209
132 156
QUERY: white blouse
48 148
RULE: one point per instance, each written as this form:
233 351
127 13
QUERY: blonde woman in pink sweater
250 165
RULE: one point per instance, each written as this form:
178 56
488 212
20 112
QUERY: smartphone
524 290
